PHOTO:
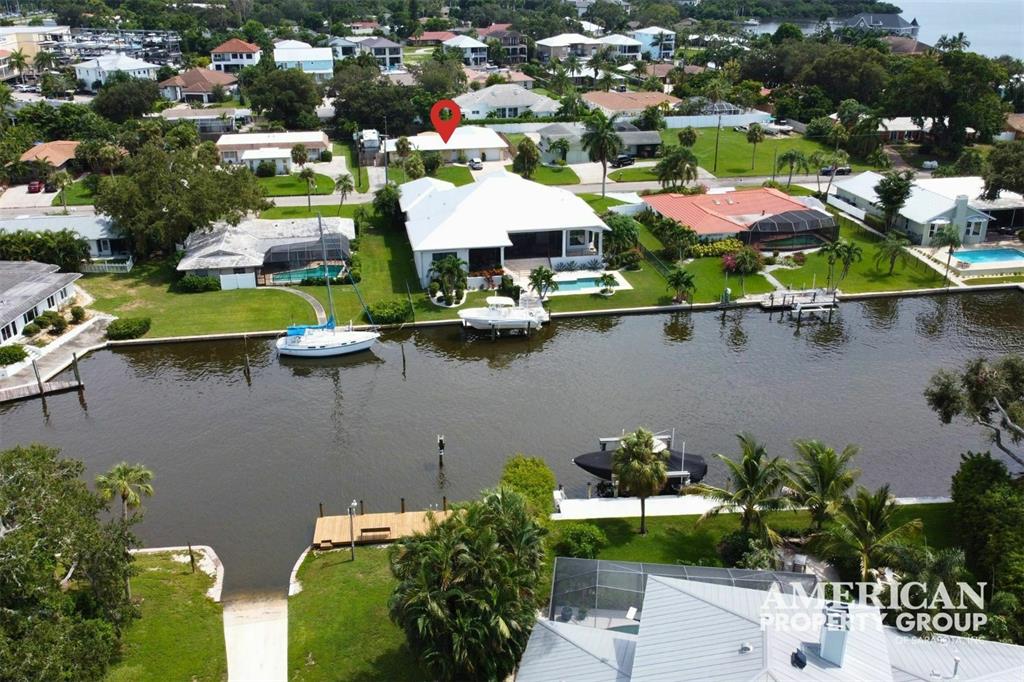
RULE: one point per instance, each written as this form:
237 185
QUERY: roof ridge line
546 624
703 599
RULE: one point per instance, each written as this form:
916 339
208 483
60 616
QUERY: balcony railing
109 265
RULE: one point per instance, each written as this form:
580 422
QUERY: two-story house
96 71
318 62
234 55
656 43
387 53
624 46
566 44
512 42
474 53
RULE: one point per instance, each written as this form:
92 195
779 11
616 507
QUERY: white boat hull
326 343
478 318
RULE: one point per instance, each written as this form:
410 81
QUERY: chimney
960 211
834 632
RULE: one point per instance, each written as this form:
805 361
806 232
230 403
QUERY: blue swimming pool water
975 256
577 284
306 273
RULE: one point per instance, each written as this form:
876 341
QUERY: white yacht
504 313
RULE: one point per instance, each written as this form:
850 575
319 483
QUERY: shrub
128 328
533 478
393 311
433 288
594 264
12 354
580 540
431 162
508 289
733 546
799 258
326 155
47 318
92 182
355 275
194 284
630 260
77 314
31 329
266 169
59 326
718 248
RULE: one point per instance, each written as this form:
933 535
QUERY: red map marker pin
445 127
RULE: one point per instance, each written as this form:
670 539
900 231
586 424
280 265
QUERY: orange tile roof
628 101
236 45
199 80
1015 122
492 28
728 212
434 35
55 153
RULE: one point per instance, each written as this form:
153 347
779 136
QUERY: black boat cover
600 464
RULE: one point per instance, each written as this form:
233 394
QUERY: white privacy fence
711 120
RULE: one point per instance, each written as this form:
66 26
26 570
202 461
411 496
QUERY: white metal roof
90 227
654 30
507 95
266 153
311 137
973 186
287 44
115 62
618 39
303 54
483 213
560 651
915 658
567 39
415 190
923 205
24 284
463 42
464 138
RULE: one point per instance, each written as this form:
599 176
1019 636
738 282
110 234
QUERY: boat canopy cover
500 300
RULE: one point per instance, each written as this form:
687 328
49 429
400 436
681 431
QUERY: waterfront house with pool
266 251
498 219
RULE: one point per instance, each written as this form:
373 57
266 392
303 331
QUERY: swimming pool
578 284
976 256
295 276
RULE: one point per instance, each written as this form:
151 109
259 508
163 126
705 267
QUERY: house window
29 316
7 332
440 255
577 238
64 293
932 229
974 228
51 301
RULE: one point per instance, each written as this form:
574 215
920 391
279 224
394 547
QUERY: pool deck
990 268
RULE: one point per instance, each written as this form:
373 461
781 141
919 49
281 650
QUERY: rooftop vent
798 659
834 632
746 648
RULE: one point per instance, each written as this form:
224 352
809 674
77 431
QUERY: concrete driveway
18 197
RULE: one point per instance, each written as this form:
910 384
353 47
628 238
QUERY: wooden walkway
8 395
333 531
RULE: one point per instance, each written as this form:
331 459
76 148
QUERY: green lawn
515 138
711 281
338 626
634 174
145 292
326 210
598 203
359 175
553 175
1008 279
457 175
292 185
78 195
180 635
864 276
734 152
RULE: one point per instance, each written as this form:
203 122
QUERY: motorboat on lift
327 339
683 467
504 313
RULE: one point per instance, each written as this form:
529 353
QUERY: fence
109 266
656 262
711 120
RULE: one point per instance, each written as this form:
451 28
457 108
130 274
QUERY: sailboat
326 340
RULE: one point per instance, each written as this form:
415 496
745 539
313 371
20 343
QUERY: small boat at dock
503 313
683 467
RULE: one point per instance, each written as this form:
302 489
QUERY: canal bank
242 465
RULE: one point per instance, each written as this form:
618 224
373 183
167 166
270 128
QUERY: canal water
242 465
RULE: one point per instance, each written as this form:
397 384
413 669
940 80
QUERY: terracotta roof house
906 45
56 153
234 55
488 30
515 77
763 217
430 38
1015 125
627 103
197 85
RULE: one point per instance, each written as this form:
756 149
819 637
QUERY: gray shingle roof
630 137
24 284
883 22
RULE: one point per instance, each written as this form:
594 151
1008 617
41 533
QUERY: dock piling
321 510
362 508
403 506
74 367
39 379
444 503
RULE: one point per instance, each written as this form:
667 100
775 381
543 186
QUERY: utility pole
775 160
718 136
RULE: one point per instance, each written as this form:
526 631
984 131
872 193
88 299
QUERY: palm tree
831 251
542 280
129 481
748 261
6 99
18 61
300 155
892 248
818 160
43 61
559 81
755 487
601 141
947 238
448 271
640 470
403 147
687 136
866 527
560 147
572 105
62 180
755 136
836 159
682 282
678 166
309 175
343 185
572 65
820 478
108 156
849 253
796 160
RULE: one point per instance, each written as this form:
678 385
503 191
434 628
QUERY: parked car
35 186
623 160
840 170
930 165
476 164
740 129
50 186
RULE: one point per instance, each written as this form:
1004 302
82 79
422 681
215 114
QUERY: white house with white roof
318 62
101 68
474 53
505 100
924 214
467 142
233 146
625 47
656 42
565 44
498 218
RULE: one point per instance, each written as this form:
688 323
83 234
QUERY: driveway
256 638
18 197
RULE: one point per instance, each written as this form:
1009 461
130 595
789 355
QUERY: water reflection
678 327
881 313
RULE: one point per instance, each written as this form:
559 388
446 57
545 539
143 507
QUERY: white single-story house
28 288
101 68
470 142
505 100
97 230
499 218
925 213
239 254
635 142
231 146
281 158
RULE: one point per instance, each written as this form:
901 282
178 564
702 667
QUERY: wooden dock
333 531
9 395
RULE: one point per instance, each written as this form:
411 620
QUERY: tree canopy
287 96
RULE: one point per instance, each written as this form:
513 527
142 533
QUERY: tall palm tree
62 180
818 160
640 470
43 61
831 251
836 159
947 238
128 481
572 65
748 261
820 478
343 185
572 105
309 175
448 271
561 147
681 282
866 527
796 160
849 253
601 141
108 156
18 61
678 166
542 280
754 488
755 136
894 247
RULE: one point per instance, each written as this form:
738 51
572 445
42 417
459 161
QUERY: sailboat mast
327 270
